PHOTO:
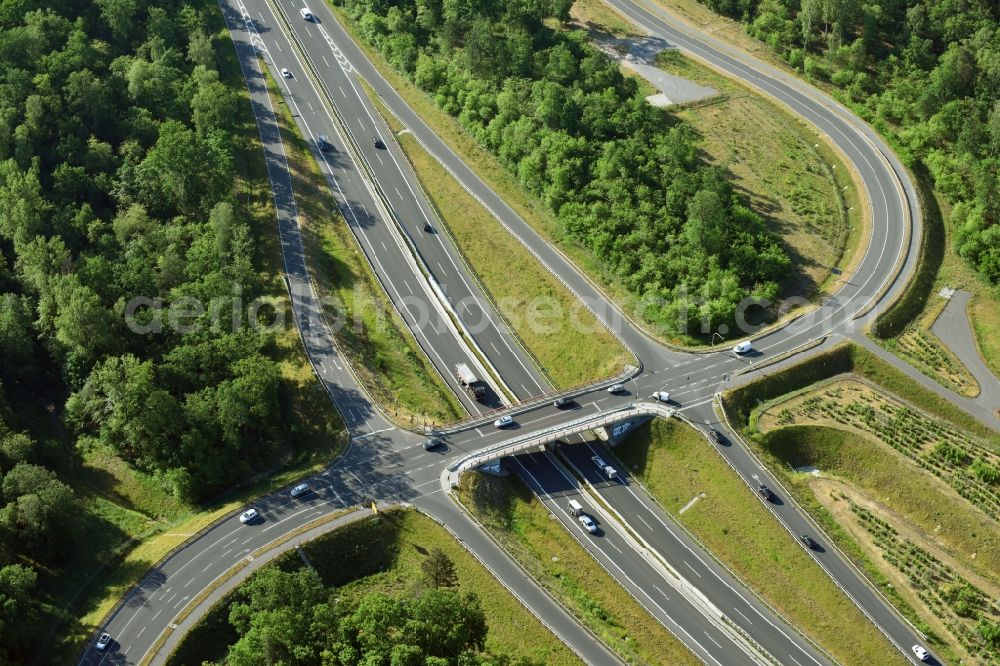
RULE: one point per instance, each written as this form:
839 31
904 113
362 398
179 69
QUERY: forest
117 181
925 72
294 618
623 178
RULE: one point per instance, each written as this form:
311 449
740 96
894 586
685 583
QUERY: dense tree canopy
293 618
927 71
622 177
117 181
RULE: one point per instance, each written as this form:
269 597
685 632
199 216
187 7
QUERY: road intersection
453 322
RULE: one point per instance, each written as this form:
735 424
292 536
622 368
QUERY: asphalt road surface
386 214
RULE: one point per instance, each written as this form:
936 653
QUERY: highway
675 596
385 209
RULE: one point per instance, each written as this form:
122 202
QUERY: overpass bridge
620 419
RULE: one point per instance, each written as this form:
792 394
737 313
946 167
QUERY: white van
306 14
575 508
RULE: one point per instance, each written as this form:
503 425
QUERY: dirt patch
835 495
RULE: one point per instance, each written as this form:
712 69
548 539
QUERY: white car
306 14
921 653
249 516
285 73
588 523
616 388
743 347
104 641
300 490
503 421
662 396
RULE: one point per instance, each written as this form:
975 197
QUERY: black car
808 541
765 492
432 444
427 227
378 142
716 435
562 402
323 143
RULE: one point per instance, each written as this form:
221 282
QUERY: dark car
427 227
765 492
378 142
432 444
323 143
808 541
562 402
716 435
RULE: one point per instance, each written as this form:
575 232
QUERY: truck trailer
475 388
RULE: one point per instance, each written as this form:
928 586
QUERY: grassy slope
384 355
918 497
388 552
924 499
130 520
743 406
553 558
675 463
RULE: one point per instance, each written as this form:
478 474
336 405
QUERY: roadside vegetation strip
740 402
383 354
238 566
674 461
385 554
887 486
570 345
941 479
904 329
550 555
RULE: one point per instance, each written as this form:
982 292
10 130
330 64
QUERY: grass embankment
675 463
385 554
130 520
874 480
534 212
930 548
384 355
847 358
559 564
905 329
566 340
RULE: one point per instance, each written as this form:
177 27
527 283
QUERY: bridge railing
538 438
625 375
